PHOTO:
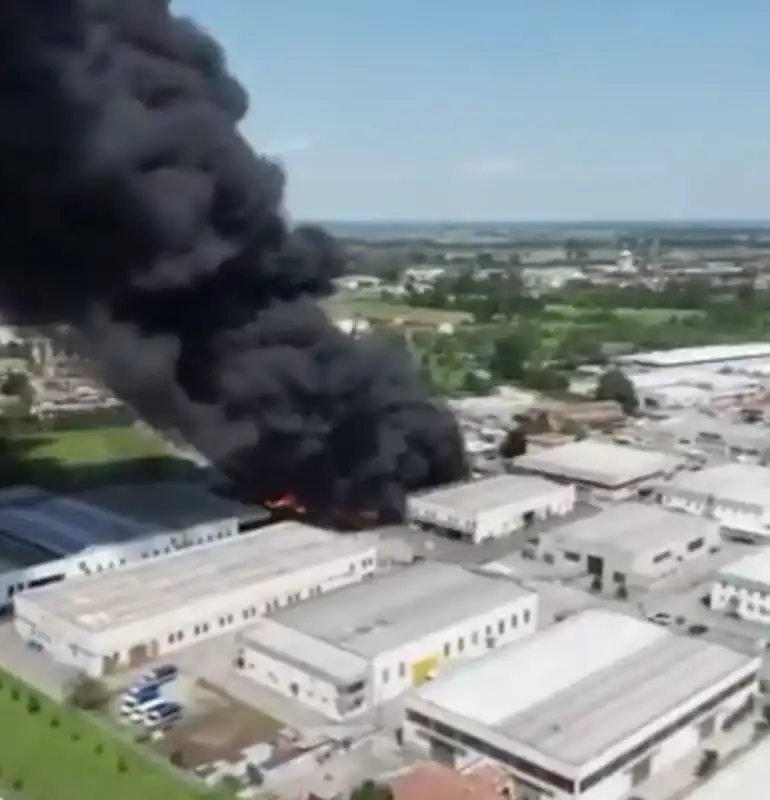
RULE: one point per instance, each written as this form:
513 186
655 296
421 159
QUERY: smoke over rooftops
131 208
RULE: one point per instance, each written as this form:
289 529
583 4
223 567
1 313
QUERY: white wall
178 627
643 565
748 603
288 680
114 556
496 522
391 672
726 514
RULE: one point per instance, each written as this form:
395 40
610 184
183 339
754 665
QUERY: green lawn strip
95 445
58 753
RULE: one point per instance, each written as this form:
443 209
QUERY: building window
489 631
385 675
197 630
514 620
171 639
447 650
695 544
527 615
475 637
661 557
402 670
572 556
460 645
501 627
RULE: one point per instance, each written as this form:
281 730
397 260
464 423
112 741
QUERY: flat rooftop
63 526
486 493
736 483
634 528
173 505
698 355
150 588
625 674
600 463
753 568
393 609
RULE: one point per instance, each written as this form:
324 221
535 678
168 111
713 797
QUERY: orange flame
287 501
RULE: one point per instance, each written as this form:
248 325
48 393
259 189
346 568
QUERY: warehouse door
142 653
442 753
595 565
110 664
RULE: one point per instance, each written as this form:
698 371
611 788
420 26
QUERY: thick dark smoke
131 208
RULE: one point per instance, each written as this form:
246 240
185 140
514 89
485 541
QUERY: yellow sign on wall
422 669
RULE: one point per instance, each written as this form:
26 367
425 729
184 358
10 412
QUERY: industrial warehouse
46 538
737 495
629 543
346 652
113 620
743 588
491 507
595 706
607 471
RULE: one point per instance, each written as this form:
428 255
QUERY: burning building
132 209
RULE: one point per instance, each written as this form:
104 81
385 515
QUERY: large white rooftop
634 528
698 355
737 483
486 493
753 568
147 589
600 463
582 686
743 779
384 613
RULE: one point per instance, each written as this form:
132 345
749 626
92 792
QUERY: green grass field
379 311
94 445
58 753
648 315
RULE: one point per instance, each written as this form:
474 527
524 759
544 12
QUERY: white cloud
492 167
288 146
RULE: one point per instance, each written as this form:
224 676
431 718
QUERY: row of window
172 547
246 614
459 646
562 783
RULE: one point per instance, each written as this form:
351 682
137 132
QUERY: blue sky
507 109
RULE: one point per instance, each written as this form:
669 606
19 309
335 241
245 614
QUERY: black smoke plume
132 210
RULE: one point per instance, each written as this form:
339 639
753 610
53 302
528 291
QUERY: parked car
163 715
159 675
137 697
139 712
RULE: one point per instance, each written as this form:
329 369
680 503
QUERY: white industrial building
709 354
606 470
489 508
349 651
702 433
593 707
743 588
46 538
736 495
629 544
112 620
